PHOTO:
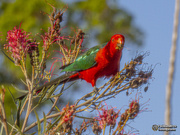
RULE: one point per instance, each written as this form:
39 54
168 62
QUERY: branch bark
171 66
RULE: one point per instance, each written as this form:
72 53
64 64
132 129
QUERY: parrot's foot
95 90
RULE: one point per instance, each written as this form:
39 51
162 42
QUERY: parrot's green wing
84 61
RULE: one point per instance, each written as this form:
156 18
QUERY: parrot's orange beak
120 43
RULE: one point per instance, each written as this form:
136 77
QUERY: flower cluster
96 128
34 55
18 43
70 53
67 117
130 113
53 33
107 117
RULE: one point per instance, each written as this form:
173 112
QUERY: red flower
18 43
107 117
68 113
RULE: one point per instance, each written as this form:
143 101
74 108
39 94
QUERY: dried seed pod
127 93
96 128
145 89
34 55
139 59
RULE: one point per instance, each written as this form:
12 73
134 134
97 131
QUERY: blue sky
156 20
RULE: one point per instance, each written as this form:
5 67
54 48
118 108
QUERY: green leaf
51 91
38 123
44 90
18 114
45 122
12 96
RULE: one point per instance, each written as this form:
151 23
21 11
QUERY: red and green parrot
99 61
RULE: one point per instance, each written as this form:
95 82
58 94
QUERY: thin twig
41 120
28 111
29 96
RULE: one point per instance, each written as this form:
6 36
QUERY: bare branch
171 66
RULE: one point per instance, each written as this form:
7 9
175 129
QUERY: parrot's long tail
68 77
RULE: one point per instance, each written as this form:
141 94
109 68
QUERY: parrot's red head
118 41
